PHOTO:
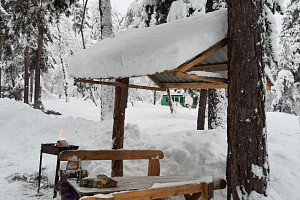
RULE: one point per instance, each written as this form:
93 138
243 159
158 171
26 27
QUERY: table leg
56 176
40 170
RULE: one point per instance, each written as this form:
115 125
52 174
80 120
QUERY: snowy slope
186 150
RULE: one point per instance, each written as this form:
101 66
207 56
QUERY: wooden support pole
121 96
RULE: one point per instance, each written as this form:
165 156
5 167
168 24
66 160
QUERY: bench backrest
152 155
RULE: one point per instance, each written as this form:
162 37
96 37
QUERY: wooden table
154 187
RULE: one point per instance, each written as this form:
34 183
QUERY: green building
175 98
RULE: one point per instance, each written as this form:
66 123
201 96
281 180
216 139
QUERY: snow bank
146 51
187 151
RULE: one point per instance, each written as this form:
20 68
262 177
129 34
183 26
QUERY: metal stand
53 150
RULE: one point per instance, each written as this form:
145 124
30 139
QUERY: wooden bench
154 187
152 155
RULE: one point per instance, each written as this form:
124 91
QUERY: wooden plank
197 85
199 78
202 56
154 167
130 184
116 84
110 154
159 193
210 67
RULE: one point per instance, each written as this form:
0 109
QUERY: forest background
68 27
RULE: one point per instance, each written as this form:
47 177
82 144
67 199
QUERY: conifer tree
287 84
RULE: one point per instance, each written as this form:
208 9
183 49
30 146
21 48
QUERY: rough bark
170 100
247 160
82 21
26 76
107 92
31 86
121 96
37 86
105 18
201 109
217 106
1 42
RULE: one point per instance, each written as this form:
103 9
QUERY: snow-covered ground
186 150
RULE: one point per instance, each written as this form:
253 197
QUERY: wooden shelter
192 74
205 65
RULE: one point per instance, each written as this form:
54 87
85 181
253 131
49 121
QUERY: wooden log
106 181
200 78
119 154
196 85
121 96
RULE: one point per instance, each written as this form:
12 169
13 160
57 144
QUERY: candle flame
60 135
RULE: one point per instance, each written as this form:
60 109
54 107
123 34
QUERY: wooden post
121 96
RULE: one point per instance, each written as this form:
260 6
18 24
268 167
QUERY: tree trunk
170 100
82 21
1 42
154 100
37 86
217 106
121 96
107 92
247 160
63 66
26 78
201 109
31 86
105 18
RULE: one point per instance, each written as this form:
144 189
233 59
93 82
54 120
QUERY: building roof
186 53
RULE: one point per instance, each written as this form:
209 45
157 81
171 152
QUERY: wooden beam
116 84
184 67
199 78
121 96
155 81
210 67
196 85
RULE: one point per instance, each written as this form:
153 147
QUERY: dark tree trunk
209 6
247 160
26 78
154 100
170 100
121 96
201 109
212 108
1 41
37 86
31 86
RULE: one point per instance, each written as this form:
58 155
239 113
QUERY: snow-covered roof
140 52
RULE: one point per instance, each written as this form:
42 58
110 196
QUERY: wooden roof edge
118 84
186 66
200 78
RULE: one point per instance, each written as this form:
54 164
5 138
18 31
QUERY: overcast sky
121 5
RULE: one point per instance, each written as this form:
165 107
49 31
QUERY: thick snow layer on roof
139 52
